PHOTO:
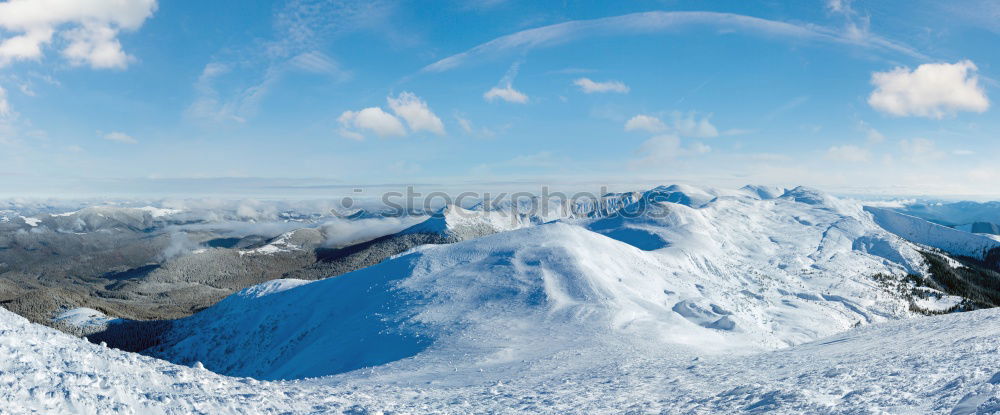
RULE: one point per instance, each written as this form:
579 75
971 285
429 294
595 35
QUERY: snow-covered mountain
931 234
707 270
674 300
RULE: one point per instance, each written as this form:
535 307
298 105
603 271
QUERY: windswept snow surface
730 308
941 237
735 274
946 364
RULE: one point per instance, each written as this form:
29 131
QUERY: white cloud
688 125
645 123
839 6
698 148
505 90
207 104
962 152
373 119
873 135
848 153
920 149
685 125
506 93
469 128
351 135
90 28
120 137
464 123
5 109
589 87
666 147
933 90
406 105
416 113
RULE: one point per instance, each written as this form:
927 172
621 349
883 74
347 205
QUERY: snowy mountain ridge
709 271
674 300
937 236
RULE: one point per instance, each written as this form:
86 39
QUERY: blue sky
886 97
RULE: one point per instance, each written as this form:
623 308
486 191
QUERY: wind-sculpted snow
738 272
946 364
937 236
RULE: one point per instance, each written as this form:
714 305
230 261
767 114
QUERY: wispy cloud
848 153
683 124
787 106
120 137
920 150
5 109
647 123
505 89
664 148
240 103
300 30
659 22
874 136
589 86
469 128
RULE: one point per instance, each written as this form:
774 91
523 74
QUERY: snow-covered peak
681 194
460 223
807 195
763 192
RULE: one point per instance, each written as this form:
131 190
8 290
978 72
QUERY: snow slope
499 292
83 318
734 273
941 237
730 310
946 364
